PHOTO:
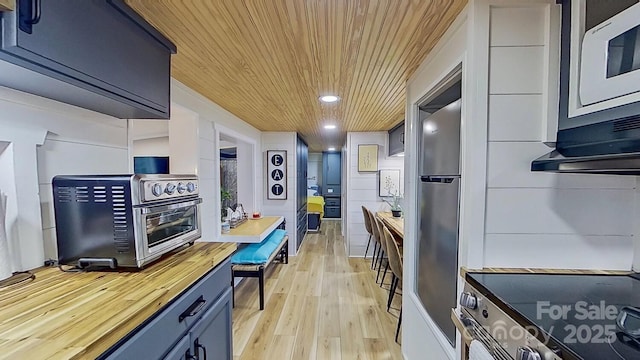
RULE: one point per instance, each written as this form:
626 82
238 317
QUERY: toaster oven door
167 227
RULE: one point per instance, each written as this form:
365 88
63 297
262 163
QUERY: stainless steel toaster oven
123 220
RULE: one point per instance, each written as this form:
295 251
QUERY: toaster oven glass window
167 225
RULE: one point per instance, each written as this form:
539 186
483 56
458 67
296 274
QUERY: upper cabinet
99 55
396 139
331 173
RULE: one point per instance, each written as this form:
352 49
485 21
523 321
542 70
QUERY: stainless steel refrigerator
439 194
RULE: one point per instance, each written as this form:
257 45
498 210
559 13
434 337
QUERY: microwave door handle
166 207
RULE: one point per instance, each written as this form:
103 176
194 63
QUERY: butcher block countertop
464 271
65 315
253 230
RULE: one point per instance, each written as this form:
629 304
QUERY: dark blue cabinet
196 323
396 139
115 62
211 336
331 173
181 350
302 155
331 187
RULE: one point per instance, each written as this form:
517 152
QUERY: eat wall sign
277 174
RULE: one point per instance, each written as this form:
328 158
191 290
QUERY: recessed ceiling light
329 98
332 149
330 127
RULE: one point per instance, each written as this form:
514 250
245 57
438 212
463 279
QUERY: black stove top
578 311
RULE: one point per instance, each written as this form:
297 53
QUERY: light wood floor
322 305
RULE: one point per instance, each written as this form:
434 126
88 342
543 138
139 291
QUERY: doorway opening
236 173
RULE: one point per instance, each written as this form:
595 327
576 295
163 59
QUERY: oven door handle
166 207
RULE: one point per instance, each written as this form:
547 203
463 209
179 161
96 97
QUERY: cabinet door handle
198 347
37 14
188 356
29 13
193 309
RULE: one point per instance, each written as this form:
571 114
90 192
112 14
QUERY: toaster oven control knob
156 189
191 187
469 300
171 188
527 353
181 188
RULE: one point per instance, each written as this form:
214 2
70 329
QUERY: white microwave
599 97
599 92
610 58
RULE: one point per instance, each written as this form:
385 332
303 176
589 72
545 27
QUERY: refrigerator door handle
438 179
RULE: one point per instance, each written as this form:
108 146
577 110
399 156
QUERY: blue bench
252 259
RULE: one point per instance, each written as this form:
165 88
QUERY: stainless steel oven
124 220
503 337
568 315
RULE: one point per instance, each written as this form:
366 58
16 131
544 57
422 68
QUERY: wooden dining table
395 224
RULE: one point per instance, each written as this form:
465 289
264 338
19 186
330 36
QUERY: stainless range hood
603 139
616 164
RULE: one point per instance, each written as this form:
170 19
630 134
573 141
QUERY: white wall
287 208
8 188
362 187
419 333
151 147
211 120
183 141
77 141
246 174
511 217
538 219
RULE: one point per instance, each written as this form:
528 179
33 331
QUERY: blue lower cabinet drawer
164 330
212 335
332 201
332 211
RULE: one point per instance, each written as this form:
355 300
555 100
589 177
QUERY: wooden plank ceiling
268 61
7 5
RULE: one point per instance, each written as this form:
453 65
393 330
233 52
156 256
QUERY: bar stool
367 225
395 262
383 244
377 249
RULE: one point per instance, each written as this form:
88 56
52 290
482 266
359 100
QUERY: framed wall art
367 157
277 174
389 183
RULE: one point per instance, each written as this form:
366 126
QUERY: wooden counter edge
7 5
464 270
466 337
115 335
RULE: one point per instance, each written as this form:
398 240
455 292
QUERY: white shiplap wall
362 187
151 147
211 120
509 215
420 335
77 141
542 219
287 208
